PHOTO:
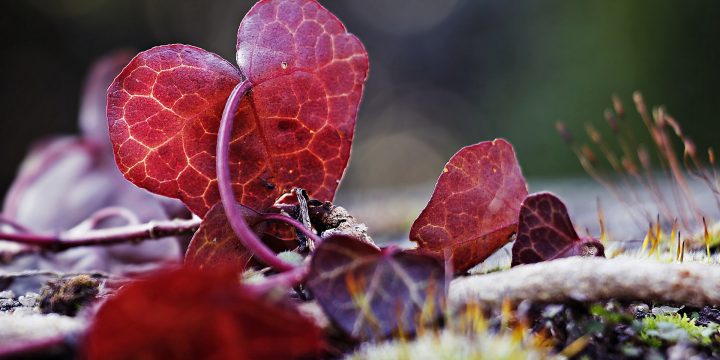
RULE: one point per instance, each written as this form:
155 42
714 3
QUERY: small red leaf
545 232
473 210
215 244
294 129
191 314
371 294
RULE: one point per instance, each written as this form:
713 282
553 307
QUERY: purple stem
109 236
285 279
235 217
292 222
5 220
106 213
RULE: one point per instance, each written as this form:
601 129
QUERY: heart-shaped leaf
163 112
545 232
191 314
294 129
371 294
473 210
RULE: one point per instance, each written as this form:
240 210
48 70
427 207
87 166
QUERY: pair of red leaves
294 129
480 201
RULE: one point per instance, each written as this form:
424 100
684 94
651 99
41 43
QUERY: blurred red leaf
294 129
545 232
474 208
192 314
371 294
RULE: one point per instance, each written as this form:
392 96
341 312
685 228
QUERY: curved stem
237 222
292 222
103 214
285 279
4 220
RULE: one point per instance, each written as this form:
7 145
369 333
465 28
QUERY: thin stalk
287 279
5 220
106 213
237 222
292 222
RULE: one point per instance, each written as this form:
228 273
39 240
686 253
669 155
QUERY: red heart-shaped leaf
294 129
163 112
545 232
371 294
191 314
473 210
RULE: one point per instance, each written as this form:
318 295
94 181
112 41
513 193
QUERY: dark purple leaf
545 232
371 293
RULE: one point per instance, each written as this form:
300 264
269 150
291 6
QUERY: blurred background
444 74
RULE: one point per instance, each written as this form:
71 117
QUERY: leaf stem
237 222
295 223
287 279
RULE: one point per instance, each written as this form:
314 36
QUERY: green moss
673 328
67 296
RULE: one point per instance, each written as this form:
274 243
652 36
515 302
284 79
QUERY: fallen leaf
545 232
474 208
371 293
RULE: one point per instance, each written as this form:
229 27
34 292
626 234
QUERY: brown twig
593 279
149 231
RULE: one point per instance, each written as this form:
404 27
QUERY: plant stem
237 222
297 224
109 236
4 220
287 279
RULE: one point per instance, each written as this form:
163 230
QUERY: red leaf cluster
474 209
371 294
192 314
294 129
545 232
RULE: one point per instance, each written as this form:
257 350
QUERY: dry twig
593 279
